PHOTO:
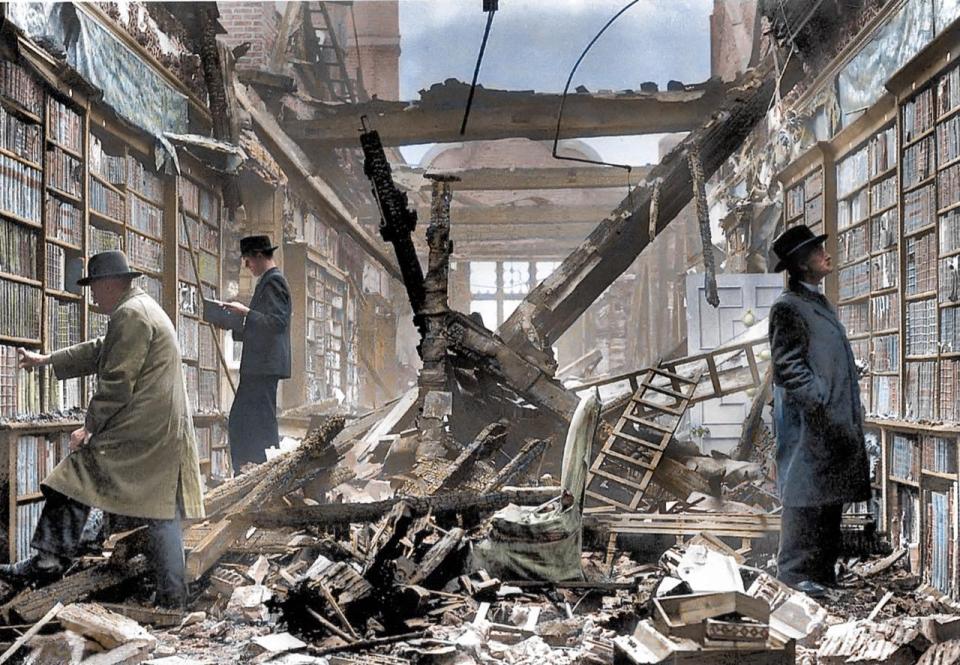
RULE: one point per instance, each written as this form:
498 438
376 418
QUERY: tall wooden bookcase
75 181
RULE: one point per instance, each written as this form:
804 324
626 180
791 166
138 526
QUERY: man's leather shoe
810 588
36 570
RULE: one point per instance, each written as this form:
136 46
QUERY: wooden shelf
146 271
904 481
944 305
922 183
61 425
854 299
919 137
886 372
100 217
876 213
109 185
920 231
144 234
887 290
70 198
858 337
64 244
29 498
63 294
144 197
17 158
923 357
939 474
70 151
19 220
25 341
883 175
19 109
856 190
887 331
952 206
10 277
919 296
948 114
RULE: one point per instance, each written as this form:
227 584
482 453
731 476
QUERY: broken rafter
524 178
436 116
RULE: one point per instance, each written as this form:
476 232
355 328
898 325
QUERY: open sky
534 44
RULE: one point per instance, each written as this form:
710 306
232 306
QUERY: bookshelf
323 325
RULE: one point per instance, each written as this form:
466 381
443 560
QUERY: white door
709 328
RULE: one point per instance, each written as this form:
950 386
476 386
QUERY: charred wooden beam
532 451
524 178
440 505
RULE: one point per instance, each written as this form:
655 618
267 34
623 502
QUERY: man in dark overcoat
265 333
821 457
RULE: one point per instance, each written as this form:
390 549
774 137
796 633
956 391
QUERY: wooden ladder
322 43
622 470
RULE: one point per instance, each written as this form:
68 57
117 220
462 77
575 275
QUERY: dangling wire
490 6
566 88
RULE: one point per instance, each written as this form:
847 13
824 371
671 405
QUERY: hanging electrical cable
566 88
489 6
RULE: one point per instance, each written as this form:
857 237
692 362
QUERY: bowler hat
107 264
788 245
253 244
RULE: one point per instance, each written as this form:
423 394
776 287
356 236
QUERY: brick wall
254 22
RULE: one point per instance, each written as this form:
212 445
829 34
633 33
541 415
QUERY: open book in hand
214 312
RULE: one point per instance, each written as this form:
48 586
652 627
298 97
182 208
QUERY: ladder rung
648 423
665 391
630 460
660 407
671 375
620 481
605 499
635 439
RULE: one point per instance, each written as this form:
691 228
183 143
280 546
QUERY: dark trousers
809 543
61 525
253 419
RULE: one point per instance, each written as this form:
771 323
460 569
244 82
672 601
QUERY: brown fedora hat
107 264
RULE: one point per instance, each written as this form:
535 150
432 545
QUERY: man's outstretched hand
30 359
78 438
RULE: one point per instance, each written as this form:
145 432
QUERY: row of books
64 172
855 317
202 235
209 391
62 394
939 454
885 396
921 264
62 269
20 189
189 194
948 140
920 391
106 201
189 298
208 350
853 209
886 353
813 211
220 463
104 240
885 311
919 208
64 126
904 458
144 252
948 91
209 268
37 456
950 232
96 324
185 266
63 323
882 151
145 217
188 333
852 245
19 389
144 181
100 162
22 138
883 231
209 207
18 85
853 172
950 390
18 249
885 270
948 186
948 290
28 514
191 377
795 203
921 328
939 539
19 310
883 194
918 162
950 330
918 115
860 349
64 222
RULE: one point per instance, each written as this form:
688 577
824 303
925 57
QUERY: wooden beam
500 114
569 232
523 178
522 214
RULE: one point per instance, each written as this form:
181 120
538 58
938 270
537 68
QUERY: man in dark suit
821 458
265 333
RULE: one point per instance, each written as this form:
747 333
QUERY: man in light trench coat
821 458
136 454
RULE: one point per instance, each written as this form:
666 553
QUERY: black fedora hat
254 244
107 264
788 245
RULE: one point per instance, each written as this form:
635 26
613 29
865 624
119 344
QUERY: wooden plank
524 178
33 630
